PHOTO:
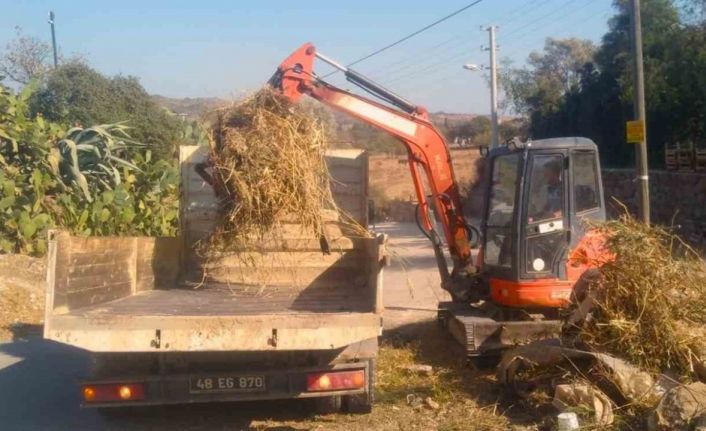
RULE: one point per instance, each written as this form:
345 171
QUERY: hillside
191 108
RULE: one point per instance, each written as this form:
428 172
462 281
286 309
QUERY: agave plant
92 156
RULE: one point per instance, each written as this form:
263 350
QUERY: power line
541 18
512 13
426 69
538 6
414 59
559 18
518 13
454 50
582 19
447 61
411 35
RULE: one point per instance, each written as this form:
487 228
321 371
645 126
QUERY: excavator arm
426 148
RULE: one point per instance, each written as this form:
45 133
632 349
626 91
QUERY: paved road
411 284
38 379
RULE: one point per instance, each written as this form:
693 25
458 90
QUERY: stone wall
676 198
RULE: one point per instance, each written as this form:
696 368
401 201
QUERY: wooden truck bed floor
228 300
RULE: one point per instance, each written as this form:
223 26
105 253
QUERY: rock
415 401
636 385
422 370
586 396
431 403
680 408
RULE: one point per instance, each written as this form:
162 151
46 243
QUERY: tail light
106 392
335 380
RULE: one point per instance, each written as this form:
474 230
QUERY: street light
493 102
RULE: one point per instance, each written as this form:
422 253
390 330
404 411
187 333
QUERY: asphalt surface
39 379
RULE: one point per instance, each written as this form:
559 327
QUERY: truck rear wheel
362 403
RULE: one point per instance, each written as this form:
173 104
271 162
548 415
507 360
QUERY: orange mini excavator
533 244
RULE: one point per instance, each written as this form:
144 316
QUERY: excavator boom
428 153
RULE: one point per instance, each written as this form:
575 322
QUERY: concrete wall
676 198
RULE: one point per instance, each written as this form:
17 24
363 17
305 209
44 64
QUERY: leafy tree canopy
574 89
76 94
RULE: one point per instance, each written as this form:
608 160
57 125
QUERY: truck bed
139 294
134 294
220 299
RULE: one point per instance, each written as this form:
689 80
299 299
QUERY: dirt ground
18 309
21 294
390 174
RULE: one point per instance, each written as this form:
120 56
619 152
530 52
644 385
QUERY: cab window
585 181
546 194
501 210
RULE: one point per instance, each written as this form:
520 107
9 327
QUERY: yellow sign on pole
635 131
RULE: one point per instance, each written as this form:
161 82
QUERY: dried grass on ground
468 399
18 307
268 163
650 301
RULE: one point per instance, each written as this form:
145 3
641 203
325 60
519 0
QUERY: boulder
680 409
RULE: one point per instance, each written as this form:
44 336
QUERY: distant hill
344 130
194 107
191 108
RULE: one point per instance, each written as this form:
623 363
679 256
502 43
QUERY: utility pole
493 88
639 112
53 38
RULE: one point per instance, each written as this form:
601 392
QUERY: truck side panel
89 271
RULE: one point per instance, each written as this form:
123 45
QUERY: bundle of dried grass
268 164
650 301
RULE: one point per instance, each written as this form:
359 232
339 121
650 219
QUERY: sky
221 48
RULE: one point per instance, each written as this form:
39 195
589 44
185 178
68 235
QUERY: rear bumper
279 384
259 332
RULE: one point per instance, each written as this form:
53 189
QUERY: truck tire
363 403
327 405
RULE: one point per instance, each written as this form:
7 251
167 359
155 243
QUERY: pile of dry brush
650 301
268 163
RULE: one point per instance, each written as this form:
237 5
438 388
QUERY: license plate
227 383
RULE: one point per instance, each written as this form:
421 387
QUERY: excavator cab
540 196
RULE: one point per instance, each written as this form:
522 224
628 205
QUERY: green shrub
92 181
76 94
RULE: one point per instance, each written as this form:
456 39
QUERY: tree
25 58
569 90
516 127
76 94
551 74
